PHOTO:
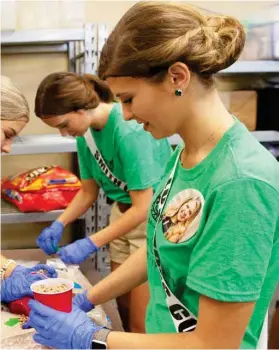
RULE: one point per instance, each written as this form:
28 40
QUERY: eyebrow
13 131
60 124
122 94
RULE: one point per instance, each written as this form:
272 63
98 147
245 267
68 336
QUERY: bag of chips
41 189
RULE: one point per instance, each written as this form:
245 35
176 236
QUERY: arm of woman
220 325
130 274
78 251
49 238
86 196
133 217
10 266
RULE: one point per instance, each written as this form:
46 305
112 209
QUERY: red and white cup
61 301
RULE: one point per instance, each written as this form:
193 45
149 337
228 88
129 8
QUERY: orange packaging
41 189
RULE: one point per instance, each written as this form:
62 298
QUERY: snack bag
41 189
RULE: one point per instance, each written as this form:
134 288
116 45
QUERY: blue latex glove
49 238
81 302
78 251
17 285
61 330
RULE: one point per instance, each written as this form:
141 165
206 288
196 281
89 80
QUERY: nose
6 147
127 113
63 132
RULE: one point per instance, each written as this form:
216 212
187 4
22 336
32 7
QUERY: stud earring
178 92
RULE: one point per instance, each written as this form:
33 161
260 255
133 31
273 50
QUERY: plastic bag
41 189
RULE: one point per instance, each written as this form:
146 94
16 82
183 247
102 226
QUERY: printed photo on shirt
181 218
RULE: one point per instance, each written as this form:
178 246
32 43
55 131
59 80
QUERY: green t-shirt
131 154
219 233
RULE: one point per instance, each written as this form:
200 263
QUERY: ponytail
101 88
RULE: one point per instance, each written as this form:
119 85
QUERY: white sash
101 162
183 319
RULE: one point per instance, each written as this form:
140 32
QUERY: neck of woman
206 122
99 115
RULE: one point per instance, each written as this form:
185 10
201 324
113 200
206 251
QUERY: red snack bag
41 189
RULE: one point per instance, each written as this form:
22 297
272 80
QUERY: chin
158 134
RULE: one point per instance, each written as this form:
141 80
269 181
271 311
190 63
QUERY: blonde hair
172 213
14 105
152 35
178 229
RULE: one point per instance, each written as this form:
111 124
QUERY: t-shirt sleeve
83 157
142 158
231 257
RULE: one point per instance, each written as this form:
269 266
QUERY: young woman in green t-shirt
84 107
213 226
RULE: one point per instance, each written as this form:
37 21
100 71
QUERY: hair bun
228 38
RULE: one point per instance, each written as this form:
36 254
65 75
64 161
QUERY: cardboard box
243 104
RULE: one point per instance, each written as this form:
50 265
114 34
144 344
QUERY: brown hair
65 92
14 105
152 35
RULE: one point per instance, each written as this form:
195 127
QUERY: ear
81 111
179 76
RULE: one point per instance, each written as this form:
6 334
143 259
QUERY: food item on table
23 319
57 288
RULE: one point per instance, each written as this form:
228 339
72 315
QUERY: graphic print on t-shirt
181 218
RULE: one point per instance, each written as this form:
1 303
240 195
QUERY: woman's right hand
81 302
49 238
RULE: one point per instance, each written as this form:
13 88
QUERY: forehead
121 85
55 120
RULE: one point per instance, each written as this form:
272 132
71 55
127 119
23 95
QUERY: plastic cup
61 301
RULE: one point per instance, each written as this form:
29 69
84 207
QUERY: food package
41 189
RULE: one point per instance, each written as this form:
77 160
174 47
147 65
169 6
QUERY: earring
178 92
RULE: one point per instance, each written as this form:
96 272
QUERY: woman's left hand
17 285
78 251
61 330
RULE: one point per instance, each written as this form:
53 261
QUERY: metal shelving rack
252 67
39 144
257 74
35 144
82 46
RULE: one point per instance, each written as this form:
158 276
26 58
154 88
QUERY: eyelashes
128 100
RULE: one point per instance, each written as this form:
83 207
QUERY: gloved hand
17 285
81 302
78 251
50 236
61 330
